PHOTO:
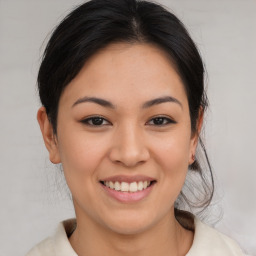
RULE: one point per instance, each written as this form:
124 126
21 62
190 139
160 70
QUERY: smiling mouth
131 187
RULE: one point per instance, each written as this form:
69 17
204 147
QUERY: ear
195 136
50 139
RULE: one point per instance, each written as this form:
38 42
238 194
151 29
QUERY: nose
129 147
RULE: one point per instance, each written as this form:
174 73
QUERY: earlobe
49 137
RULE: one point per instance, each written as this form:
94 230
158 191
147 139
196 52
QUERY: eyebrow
160 100
147 104
99 101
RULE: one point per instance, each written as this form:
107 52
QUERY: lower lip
127 197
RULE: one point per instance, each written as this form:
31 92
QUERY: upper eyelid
164 117
161 116
94 116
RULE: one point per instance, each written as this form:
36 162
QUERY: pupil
97 120
158 120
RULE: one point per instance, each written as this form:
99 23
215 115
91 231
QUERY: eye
161 121
95 121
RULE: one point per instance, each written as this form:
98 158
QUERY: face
124 138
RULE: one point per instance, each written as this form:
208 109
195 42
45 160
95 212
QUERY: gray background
32 193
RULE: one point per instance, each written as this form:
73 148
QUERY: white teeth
124 187
111 184
133 187
117 186
127 187
140 185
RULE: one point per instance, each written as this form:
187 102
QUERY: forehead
123 71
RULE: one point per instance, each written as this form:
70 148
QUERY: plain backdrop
33 197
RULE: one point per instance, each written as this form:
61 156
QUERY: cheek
80 156
174 163
172 155
173 150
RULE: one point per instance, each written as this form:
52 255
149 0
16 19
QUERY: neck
167 237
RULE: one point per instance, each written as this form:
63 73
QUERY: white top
207 242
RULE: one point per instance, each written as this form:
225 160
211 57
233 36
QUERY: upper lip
128 179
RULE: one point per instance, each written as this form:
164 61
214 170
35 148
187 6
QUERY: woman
122 89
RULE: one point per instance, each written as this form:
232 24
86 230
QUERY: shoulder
210 242
58 244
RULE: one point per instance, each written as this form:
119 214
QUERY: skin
128 142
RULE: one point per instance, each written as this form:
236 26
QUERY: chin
128 229
130 224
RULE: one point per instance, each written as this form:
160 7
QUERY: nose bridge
129 145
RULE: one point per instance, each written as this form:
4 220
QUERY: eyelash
89 121
167 120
